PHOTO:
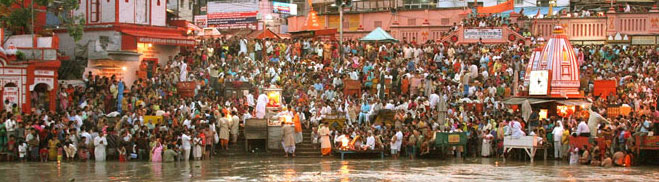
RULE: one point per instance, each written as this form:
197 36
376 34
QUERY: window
519 1
104 41
93 11
411 21
377 24
445 21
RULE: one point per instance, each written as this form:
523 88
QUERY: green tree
74 23
16 15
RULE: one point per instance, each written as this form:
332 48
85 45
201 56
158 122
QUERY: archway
10 96
40 97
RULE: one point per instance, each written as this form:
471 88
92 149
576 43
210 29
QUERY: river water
323 169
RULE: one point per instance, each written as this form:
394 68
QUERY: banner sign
284 8
226 6
233 20
483 34
200 21
506 6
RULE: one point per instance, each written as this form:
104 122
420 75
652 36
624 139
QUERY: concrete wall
184 8
89 42
107 11
158 12
127 11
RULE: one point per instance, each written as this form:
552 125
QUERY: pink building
419 25
429 24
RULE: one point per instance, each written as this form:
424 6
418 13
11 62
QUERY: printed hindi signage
232 20
161 41
10 94
233 14
644 40
455 138
284 8
483 34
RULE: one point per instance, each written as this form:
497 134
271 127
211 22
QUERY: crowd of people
105 118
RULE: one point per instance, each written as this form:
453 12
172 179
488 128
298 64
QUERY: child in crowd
122 153
43 153
11 148
22 151
574 156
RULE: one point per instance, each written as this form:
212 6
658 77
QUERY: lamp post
341 4
341 32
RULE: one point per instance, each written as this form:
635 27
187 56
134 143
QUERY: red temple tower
554 68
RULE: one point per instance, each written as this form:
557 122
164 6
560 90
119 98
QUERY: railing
39 54
593 28
598 28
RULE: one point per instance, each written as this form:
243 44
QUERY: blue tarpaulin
532 11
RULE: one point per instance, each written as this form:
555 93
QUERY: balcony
39 54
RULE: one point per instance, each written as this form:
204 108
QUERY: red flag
537 14
508 5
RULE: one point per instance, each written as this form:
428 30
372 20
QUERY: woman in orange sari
404 85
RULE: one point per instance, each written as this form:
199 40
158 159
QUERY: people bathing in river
313 81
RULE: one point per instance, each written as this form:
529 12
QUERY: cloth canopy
378 35
267 33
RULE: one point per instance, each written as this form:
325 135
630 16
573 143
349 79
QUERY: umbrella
526 110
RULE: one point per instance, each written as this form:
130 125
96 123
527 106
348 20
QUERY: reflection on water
325 169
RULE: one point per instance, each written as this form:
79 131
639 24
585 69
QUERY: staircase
237 149
304 149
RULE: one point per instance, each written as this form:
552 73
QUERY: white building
182 9
122 35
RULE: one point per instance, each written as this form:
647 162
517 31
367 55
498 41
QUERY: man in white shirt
517 129
250 100
434 100
88 136
186 145
582 129
558 135
187 123
370 141
390 105
396 143
10 126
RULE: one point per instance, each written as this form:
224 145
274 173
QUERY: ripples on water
325 169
